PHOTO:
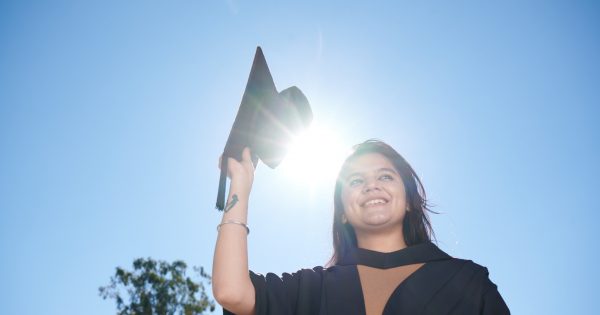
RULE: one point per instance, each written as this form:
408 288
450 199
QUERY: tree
158 288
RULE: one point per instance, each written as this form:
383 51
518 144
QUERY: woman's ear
344 219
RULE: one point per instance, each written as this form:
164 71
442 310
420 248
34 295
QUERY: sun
315 156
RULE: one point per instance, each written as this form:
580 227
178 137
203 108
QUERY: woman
383 261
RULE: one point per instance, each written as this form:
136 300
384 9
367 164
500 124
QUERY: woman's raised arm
231 283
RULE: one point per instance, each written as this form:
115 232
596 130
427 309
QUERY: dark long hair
416 226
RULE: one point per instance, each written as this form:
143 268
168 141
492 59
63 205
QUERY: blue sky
113 115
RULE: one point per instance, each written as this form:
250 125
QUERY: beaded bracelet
234 222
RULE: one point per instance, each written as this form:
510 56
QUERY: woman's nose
370 185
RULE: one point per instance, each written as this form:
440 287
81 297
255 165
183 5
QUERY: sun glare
315 156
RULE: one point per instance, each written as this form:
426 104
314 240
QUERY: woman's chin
377 219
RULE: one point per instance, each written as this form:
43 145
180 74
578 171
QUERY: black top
443 285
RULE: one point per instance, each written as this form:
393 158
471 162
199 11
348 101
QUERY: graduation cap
266 122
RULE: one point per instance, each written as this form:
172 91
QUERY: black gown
443 285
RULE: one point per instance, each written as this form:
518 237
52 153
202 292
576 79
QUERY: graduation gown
441 285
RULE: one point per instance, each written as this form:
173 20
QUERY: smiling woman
373 198
383 262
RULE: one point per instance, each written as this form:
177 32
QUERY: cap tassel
222 186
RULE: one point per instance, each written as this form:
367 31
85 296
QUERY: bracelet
234 222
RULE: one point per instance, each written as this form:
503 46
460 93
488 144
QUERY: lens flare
315 156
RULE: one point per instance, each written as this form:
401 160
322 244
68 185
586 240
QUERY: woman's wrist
242 191
236 199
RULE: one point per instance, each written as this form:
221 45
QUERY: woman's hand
241 174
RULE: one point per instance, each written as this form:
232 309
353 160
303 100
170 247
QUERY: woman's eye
355 182
386 177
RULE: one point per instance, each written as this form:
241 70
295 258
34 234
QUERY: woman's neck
381 242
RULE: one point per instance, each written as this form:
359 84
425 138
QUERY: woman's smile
375 202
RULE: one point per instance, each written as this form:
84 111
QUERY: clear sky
113 115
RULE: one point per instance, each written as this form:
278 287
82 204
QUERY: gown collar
420 253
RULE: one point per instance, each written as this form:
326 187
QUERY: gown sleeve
492 303
298 293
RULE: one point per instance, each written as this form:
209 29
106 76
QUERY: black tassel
222 186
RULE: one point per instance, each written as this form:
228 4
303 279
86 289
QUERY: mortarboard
266 121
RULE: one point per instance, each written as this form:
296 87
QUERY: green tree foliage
158 288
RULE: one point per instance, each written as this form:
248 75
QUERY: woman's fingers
233 164
241 173
247 159
235 167
246 155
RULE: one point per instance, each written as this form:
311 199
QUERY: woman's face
373 194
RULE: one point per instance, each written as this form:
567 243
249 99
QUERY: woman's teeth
374 202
